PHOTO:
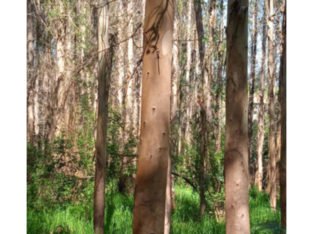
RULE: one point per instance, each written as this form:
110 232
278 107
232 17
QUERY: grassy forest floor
77 218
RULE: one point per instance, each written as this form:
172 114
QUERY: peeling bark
261 113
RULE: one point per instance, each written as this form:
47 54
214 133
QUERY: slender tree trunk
186 131
252 84
130 83
175 102
210 61
219 81
271 107
283 123
69 94
127 93
104 77
203 103
60 79
203 155
168 201
31 71
236 146
260 134
175 74
153 161
120 60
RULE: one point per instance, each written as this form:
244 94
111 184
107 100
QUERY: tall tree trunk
69 96
260 134
168 199
121 61
203 102
252 82
130 80
219 80
175 74
105 51
31 71
236 147
283 123
175 103
127 93
271 107
153 160
60 79
186 131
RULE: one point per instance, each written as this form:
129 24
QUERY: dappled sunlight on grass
76 218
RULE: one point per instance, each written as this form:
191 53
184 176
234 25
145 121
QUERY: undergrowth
77 218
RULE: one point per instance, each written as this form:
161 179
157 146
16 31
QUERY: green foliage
51 170
113 146
52 167
263 219
77 218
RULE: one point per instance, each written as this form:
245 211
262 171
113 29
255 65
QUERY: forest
156 117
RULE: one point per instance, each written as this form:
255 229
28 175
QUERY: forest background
13 116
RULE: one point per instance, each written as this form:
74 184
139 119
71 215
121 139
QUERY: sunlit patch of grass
185 218
58 221
77 218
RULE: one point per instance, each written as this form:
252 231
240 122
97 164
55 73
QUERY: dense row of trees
198 86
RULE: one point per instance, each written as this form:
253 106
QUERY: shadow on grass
270 227
187 208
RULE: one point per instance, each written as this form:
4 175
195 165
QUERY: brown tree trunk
203 155
153 160
252 84
175 103
31 71
104 77
283 123
271 107
168 201
260 134
187 97
219 81
236 146
203 102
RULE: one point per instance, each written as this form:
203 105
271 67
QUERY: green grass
77 218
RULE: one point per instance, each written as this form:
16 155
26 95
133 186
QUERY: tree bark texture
104 78
271 107
31 72
252 82
283 124
236 146
203 104
153 160
261 113
219 81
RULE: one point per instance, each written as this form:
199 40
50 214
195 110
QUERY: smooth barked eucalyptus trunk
283 124
105 52
271 105
236 145
153 160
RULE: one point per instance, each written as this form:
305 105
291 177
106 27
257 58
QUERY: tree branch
187 180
